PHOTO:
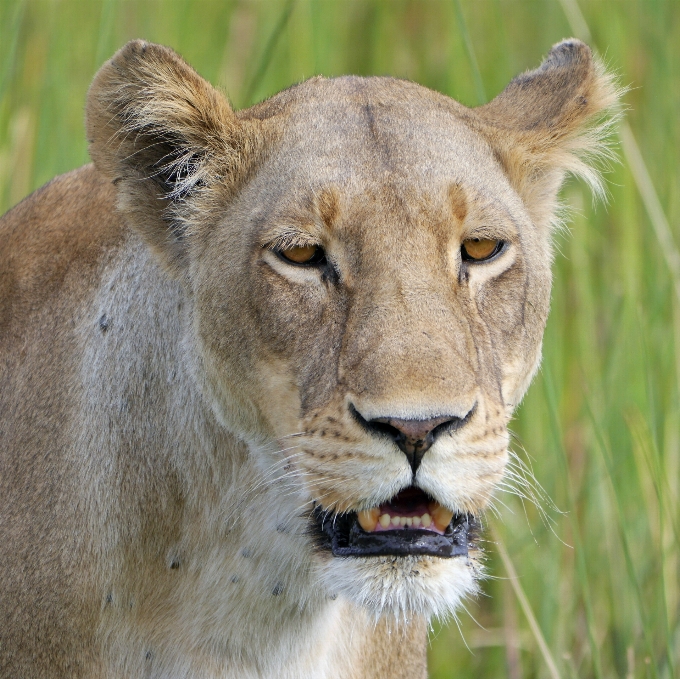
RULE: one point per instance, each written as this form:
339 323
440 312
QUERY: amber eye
479 249
303 254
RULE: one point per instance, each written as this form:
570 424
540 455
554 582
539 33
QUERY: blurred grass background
597 591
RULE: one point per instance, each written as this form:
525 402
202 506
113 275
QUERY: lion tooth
385 520
416 521
442 517
368 519
396 521
409 521
426 520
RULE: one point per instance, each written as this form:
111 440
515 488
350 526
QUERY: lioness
257 367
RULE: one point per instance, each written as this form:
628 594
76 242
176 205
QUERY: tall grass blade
577 22
526 607
579 547
636 163
606 455
652 203
268 52
469 48
10 57
106 23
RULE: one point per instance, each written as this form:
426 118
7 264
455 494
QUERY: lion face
394 355
369 268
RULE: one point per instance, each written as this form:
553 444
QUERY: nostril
384 428
414 437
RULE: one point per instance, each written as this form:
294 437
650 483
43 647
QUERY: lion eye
479 249
303 254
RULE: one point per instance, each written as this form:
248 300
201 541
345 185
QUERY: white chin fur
403 586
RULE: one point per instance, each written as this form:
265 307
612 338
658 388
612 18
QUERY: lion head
367 265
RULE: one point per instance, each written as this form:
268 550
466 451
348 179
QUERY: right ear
165 137
551 121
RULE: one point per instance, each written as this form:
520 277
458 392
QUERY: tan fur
175 397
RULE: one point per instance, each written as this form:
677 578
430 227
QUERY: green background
592 527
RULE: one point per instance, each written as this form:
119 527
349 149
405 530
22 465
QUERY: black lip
343 536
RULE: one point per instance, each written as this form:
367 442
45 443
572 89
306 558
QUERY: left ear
551 121
169 141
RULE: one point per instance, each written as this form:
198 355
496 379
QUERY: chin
402 587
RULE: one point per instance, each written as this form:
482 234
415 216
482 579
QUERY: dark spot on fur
149 655
235 578
246 553
333 597
278 588
104 323
323 432
281 528
174 563
109 598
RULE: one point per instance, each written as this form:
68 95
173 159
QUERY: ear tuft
163 135
551 121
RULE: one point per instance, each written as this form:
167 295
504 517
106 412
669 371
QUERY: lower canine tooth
368 519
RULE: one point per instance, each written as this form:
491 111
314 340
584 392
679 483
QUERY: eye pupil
479 249
303 254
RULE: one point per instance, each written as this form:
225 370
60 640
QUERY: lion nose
414 437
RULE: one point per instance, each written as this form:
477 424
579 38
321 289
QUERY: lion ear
164 136
552 121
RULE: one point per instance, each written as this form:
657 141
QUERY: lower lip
343 536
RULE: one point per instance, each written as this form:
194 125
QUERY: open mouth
410 523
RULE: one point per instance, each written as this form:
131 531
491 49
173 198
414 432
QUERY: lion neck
207 562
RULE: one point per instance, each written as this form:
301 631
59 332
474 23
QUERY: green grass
600 426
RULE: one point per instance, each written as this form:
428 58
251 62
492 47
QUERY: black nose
414 437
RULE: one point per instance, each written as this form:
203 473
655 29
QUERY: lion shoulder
57 233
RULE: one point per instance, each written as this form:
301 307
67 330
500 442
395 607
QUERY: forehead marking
378 137
458 201
327 205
